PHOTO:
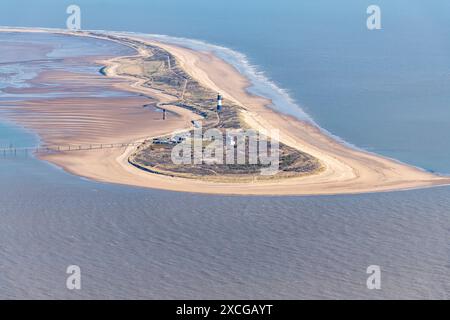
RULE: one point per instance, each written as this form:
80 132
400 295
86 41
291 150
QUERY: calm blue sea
385 91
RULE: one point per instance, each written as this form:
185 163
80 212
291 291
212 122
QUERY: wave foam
261 84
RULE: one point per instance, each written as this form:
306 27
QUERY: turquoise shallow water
385 92
11 135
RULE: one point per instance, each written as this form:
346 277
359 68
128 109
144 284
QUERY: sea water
385 91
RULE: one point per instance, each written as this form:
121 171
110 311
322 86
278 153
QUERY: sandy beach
100 120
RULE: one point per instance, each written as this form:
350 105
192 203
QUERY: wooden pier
12 150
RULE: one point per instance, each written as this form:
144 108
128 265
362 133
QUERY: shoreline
347 170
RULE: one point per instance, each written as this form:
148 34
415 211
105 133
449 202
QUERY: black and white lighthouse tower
219 103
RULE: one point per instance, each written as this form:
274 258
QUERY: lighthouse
219 103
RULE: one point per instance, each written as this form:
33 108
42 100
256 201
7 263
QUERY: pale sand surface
347 170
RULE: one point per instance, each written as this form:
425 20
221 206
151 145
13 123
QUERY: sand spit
347 170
